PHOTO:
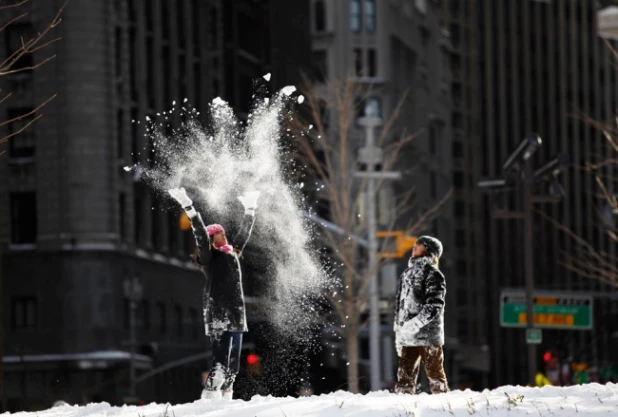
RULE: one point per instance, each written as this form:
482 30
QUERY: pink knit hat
211 229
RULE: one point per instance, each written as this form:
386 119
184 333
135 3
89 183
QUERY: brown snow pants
410 365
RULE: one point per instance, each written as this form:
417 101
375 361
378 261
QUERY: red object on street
547 356
252 359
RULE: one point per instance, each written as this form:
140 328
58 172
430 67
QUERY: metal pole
132 342
374 313
529 271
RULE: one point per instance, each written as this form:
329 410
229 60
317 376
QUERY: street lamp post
372 155
518 171
133 292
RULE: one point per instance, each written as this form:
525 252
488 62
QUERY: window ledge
370 80
21 160
19 247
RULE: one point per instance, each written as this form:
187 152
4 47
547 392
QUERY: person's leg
218 368
433 357
409 365
233 366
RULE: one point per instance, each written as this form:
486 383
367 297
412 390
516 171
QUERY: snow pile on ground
576 401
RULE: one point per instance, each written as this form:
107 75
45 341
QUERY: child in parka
419 319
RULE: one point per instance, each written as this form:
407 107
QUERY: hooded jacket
223 298
419 306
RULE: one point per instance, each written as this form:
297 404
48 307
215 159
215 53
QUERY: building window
434 137
118 50
172 236
127 314
433 184
319 66
179 324
195 324
357 57
457 150
458 179
14 34
214 32
461 268
460 208
24 313
120 133
133 65
145 314
23 218
370 16
155 226
196 25
462 295
169 88
198 85
122 216
137 216
355 15
162 315
151 86
132 11
460 238
165 17
21 145
462 329
319 14
372 64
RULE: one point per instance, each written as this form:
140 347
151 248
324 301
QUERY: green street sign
551 310
534 336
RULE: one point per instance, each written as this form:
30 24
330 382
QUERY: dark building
542 66
75 226
461 19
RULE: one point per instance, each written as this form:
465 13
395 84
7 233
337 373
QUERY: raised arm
249 201
241 237
202 239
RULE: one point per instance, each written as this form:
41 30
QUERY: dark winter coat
419 311
223 298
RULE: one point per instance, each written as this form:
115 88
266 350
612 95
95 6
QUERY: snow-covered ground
576 401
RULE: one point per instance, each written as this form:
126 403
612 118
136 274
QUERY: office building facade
76 226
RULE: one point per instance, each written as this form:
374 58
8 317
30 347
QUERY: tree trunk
352 353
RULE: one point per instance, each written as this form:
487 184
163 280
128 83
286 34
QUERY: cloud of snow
228 158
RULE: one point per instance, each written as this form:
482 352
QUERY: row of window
25 316
23 221
362 16
189 321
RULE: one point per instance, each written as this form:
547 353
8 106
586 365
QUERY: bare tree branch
327 147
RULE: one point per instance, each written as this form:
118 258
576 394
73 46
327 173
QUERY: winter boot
208 394
227 388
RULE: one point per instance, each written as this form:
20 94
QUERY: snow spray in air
227 158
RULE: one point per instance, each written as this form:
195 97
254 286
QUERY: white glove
249 200
181 196
412 326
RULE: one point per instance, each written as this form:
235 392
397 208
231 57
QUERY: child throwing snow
419 319
223 299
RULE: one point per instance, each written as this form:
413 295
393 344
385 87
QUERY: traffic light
547 357
185 222
254 366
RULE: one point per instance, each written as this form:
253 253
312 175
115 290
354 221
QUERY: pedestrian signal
254 366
